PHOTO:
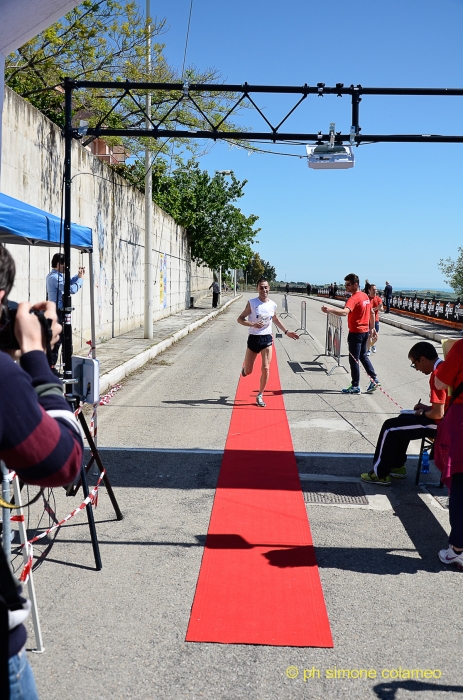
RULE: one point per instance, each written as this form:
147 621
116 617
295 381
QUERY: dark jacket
42 450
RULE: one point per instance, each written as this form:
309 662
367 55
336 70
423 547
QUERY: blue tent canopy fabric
22 223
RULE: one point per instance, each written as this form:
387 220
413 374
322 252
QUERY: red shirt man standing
361 323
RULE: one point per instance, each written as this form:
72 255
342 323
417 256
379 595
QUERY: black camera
8 340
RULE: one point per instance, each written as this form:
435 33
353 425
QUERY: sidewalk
124 354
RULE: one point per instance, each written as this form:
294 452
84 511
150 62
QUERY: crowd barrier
284 303
333 339
303 328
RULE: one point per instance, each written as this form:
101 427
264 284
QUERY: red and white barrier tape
91 498
25 573
378 386
106 398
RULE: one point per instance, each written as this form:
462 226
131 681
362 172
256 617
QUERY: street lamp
224 172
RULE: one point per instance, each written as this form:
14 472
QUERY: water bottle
425 462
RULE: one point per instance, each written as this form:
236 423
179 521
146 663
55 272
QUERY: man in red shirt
361 321
376 306
396 433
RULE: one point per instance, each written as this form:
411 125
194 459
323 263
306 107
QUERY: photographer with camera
55 286
40 439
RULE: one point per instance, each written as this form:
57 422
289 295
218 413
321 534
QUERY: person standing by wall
55 287
388 296
309 289
360 320
215 293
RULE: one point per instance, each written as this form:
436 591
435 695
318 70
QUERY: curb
437 337
121 371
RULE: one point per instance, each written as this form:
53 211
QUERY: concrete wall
32 171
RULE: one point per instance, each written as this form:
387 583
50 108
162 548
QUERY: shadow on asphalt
221 401
185 471
388 691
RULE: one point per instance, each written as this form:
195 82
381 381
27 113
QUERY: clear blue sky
400 209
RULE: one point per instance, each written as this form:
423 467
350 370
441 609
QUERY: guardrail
443 310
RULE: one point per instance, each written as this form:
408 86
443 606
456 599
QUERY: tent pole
93 337
92 305
68 132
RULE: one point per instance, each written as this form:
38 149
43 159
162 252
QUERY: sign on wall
163 280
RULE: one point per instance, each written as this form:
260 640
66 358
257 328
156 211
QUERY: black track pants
396 433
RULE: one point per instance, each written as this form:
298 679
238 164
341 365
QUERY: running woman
257 317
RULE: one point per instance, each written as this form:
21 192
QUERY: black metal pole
91 521
355 110
67 328
97 458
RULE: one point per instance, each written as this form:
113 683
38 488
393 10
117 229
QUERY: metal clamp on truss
186 88
330 156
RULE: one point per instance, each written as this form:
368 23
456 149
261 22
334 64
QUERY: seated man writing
396 433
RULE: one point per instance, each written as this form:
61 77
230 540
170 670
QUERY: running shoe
449 556
373 349
260 401
243 373
371 478
372 387
351 390
368 353
399 473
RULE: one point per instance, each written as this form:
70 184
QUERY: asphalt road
119 633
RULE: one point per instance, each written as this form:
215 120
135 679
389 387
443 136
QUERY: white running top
261 311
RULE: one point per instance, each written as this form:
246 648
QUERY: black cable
186 41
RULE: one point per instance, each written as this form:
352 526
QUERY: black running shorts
256 343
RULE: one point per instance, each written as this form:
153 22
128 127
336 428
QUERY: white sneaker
449 556
260 401
373 349
368 353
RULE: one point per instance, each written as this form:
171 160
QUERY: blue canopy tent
21 223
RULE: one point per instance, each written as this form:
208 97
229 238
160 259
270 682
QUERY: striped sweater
41 440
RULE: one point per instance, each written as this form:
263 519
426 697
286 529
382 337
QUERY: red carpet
259 580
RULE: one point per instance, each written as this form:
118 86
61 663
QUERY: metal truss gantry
174 95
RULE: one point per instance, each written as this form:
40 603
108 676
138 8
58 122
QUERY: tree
219 233
254 269
453 270
269 271
106 40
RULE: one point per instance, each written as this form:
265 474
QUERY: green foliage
106 40
453 271
218 231
255 269
269 271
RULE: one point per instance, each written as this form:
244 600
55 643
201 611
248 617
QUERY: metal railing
303 327
333 340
